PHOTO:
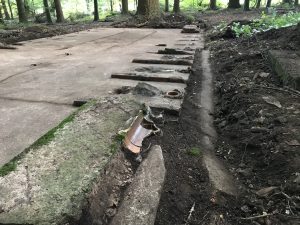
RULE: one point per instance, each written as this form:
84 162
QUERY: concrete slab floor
40 80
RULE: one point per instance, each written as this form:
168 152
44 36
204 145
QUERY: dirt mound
259 125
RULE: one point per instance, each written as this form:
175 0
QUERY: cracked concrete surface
40 80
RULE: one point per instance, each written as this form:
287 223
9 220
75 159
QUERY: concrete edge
142 197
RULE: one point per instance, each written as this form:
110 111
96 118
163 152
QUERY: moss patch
45 139
7 168
194 151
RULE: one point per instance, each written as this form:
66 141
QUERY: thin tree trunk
11 12
167 6
213 4
234 4
96 11
1 15
296 2
111 5
124 6
269 3
47 11
5 10
247 5
258 4
176 7
59 12
33 6
21 11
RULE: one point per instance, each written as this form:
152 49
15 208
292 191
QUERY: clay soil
258 141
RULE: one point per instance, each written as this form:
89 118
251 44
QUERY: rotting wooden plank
134 76
159 61
173 51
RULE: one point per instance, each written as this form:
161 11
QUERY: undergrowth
266 22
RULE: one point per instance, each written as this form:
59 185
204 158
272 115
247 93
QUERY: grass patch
45 139
7 168
194 151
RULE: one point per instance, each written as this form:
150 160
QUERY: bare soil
35 31
258 141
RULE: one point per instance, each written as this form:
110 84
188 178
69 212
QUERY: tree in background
269 3
10 9
6 14
166 5
148 8
47 11
234 4
176 7
247 5
59 12
258 4
96 11
1 15
124 6
296 2
21 11
213 4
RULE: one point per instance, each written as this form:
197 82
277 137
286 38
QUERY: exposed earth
257 120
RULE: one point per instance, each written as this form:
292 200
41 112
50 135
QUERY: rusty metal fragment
141 128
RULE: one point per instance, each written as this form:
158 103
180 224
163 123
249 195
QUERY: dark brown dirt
36 31
258 141
187 182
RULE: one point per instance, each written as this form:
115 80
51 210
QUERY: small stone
281 119
263 74
145 89
245 208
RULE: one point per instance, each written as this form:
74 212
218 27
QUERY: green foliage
194 151
190 19
7 168
266 22
79 16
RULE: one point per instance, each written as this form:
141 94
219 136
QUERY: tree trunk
213 4
258 4
176 7
166 5
27 8
10 10
96 11
247 5
124 6
269 3
5 10
234 4
148 8
21 11
111 5
47 11
59 12
296 2
1 15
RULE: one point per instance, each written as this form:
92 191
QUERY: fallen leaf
265 191
272 101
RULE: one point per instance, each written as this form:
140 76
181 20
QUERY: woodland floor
258 142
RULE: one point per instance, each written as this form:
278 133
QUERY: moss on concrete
45 139
50 185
